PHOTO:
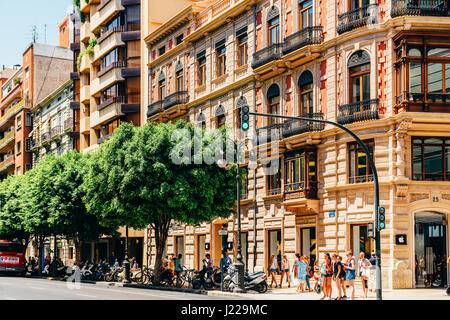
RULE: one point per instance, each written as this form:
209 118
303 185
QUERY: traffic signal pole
245 127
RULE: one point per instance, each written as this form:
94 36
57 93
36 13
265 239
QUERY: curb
141 286
226 294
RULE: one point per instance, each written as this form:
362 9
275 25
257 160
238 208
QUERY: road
16 288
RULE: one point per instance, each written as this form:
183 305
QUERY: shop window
360 241
359 167
308 243
431 159
275 246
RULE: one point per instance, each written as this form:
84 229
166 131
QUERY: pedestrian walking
350 275
327 287
273 269
338 274
309 272
178 268
302 274
364 272
317 274
285 270
373 271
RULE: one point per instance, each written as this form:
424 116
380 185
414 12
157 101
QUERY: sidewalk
286 293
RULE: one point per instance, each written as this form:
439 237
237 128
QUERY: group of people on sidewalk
332 268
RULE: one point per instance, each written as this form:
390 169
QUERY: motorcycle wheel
262 287
208 285
196 285
226 285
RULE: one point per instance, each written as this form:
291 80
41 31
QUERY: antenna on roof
34 34
45 33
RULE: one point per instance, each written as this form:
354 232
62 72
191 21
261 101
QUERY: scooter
256 281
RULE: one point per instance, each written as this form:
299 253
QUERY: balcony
108 41
56 132
85 124
423 102
438 8
110 102
68 125
266 55
107 77
106 9
269 133
7 163
357 18
300 190
10 112
46 138
85 31
359 111
108 113
294 127
85 94
154 108
304 37
7 139
177 98
85 64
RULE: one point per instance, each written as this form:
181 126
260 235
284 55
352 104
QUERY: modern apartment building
109 68
378 67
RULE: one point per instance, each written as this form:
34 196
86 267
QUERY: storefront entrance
430 250
275 245
360 241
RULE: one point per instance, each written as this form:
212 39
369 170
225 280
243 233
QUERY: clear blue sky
17 18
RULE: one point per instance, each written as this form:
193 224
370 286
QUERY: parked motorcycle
256 281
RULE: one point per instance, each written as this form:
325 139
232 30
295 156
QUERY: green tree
132 181
12 213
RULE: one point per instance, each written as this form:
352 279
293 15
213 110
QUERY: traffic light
381 218
245 118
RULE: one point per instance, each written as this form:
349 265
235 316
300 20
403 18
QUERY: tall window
115 55
179 81
116 90
305 83
273 177
273 97
431 158
242 50
201 67
359 168
300 170
359 69
306 14
274 31
117 21
356 4
221 60
162 89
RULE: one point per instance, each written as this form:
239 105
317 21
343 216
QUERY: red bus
12 259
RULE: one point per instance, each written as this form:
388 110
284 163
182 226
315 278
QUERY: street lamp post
376 183
126 262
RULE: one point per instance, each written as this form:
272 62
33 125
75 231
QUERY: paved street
15 288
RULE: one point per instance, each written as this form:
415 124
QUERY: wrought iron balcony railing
269 133
266 55
56 131
154 108
304 37
294 127
177 98
358 111
420 8
357 18
68 124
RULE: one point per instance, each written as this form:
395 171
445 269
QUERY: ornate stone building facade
374 66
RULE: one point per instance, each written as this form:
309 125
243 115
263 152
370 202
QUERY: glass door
275 245
430 250
308 243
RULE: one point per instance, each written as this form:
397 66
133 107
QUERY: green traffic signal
245 118
381 218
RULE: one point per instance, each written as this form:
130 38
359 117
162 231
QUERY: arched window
161 86
201 121
359 70
273 20
220 117
305 84
273 97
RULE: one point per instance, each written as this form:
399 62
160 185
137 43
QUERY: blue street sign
332 214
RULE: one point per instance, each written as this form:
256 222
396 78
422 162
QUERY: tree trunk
161 229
